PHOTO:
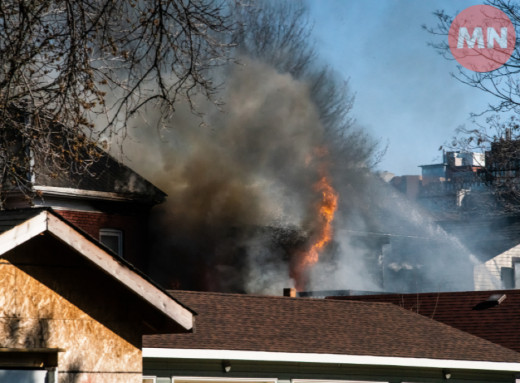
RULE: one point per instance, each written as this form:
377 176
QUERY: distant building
408 185
503 162
472 196
462 167
433 172
443 186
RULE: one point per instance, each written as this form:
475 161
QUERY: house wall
45 304
176 371
489 275
133 225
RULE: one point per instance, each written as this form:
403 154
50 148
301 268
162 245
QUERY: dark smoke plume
240 186
240 180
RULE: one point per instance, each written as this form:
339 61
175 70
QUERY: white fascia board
23 232
122 273
261 356
80 193
211 379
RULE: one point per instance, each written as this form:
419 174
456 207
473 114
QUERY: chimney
289 292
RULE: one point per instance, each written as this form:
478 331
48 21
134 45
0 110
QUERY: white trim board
47 222
81 193
178 378
335 381
262 356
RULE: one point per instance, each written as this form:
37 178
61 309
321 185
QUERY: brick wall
133 224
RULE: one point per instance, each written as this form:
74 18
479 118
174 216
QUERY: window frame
112 232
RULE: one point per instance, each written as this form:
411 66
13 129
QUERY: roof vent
492 301
497 298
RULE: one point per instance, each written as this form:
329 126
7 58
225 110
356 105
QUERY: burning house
75 308
253 200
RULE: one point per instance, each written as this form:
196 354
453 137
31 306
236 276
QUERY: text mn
478 37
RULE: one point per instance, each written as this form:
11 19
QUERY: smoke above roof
251 166
241 199
248 180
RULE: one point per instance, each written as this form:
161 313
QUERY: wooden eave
61 192
46 222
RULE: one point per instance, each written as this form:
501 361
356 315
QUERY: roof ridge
440 293
277 297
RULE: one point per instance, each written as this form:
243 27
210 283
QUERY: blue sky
405 94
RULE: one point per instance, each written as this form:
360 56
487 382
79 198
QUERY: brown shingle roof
299 325
464 310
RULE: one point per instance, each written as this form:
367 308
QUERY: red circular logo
482 38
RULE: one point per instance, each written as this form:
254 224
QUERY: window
29 376
29 366
516 273
149 379
507 276
113 239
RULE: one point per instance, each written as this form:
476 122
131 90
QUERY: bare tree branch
79 69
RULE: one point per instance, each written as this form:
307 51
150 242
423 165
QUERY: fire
326 210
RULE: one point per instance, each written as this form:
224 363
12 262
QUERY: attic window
113 239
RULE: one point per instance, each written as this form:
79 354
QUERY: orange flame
327 208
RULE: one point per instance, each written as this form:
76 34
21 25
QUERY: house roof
107 178
316 326
92 174
469 311
18 227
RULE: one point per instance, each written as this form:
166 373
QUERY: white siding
487 276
